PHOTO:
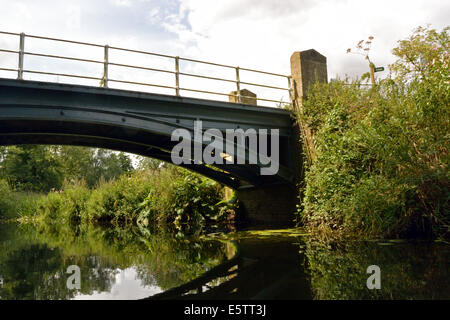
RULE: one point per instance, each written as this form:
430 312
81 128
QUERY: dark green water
280 264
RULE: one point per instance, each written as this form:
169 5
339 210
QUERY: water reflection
409 270
127 283
289 265
113 263
283 264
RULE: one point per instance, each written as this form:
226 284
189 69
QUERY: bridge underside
140 123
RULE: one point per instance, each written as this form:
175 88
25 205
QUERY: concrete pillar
269 206
247 97
274 206
307 67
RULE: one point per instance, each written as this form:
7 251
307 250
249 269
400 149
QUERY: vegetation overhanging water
379 172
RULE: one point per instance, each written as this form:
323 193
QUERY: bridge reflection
260 270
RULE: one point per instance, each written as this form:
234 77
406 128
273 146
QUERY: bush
118 200
15 204
184 200
170 197
7 203
382 153
67 204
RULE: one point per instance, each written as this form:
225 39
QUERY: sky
126 286
256 34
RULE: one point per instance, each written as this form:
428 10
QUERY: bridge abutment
269 205
275 205
307 67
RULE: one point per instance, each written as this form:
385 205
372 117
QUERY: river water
38 262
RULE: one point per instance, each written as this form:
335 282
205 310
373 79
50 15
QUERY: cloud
122 3
247 33
263 34
154 15
74 17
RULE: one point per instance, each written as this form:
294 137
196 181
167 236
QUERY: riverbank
169 198
380 154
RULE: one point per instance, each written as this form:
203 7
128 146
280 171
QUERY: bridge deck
136 122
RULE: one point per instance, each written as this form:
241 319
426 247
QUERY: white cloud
122 3
153 15
248 33
263 34
74 17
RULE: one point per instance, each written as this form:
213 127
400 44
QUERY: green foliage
382 153
15 204
145 163
67 205
92 165
100 186
423 54
170 198
7 204
184 200
40 168
118 200
340 271
32 168
195 200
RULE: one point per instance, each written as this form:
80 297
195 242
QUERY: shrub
170 197
183 200
67 204
382 153
7 203
118 200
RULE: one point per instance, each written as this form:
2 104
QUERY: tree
78 163
32 168
91 165
110 165
424 54
41 168
2 153
149 163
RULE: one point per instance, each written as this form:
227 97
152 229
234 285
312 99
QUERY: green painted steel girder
135 122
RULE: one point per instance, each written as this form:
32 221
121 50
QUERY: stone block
247 97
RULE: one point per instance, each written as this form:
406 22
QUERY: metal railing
105 79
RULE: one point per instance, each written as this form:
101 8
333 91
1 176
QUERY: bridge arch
140 123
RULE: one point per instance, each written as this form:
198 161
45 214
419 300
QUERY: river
38 262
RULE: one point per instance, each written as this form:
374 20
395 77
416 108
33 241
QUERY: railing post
21 56
290 90
105 67
238 86
177 75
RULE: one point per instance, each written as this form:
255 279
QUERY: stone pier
275 205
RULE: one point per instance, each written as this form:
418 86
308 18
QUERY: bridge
142 117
